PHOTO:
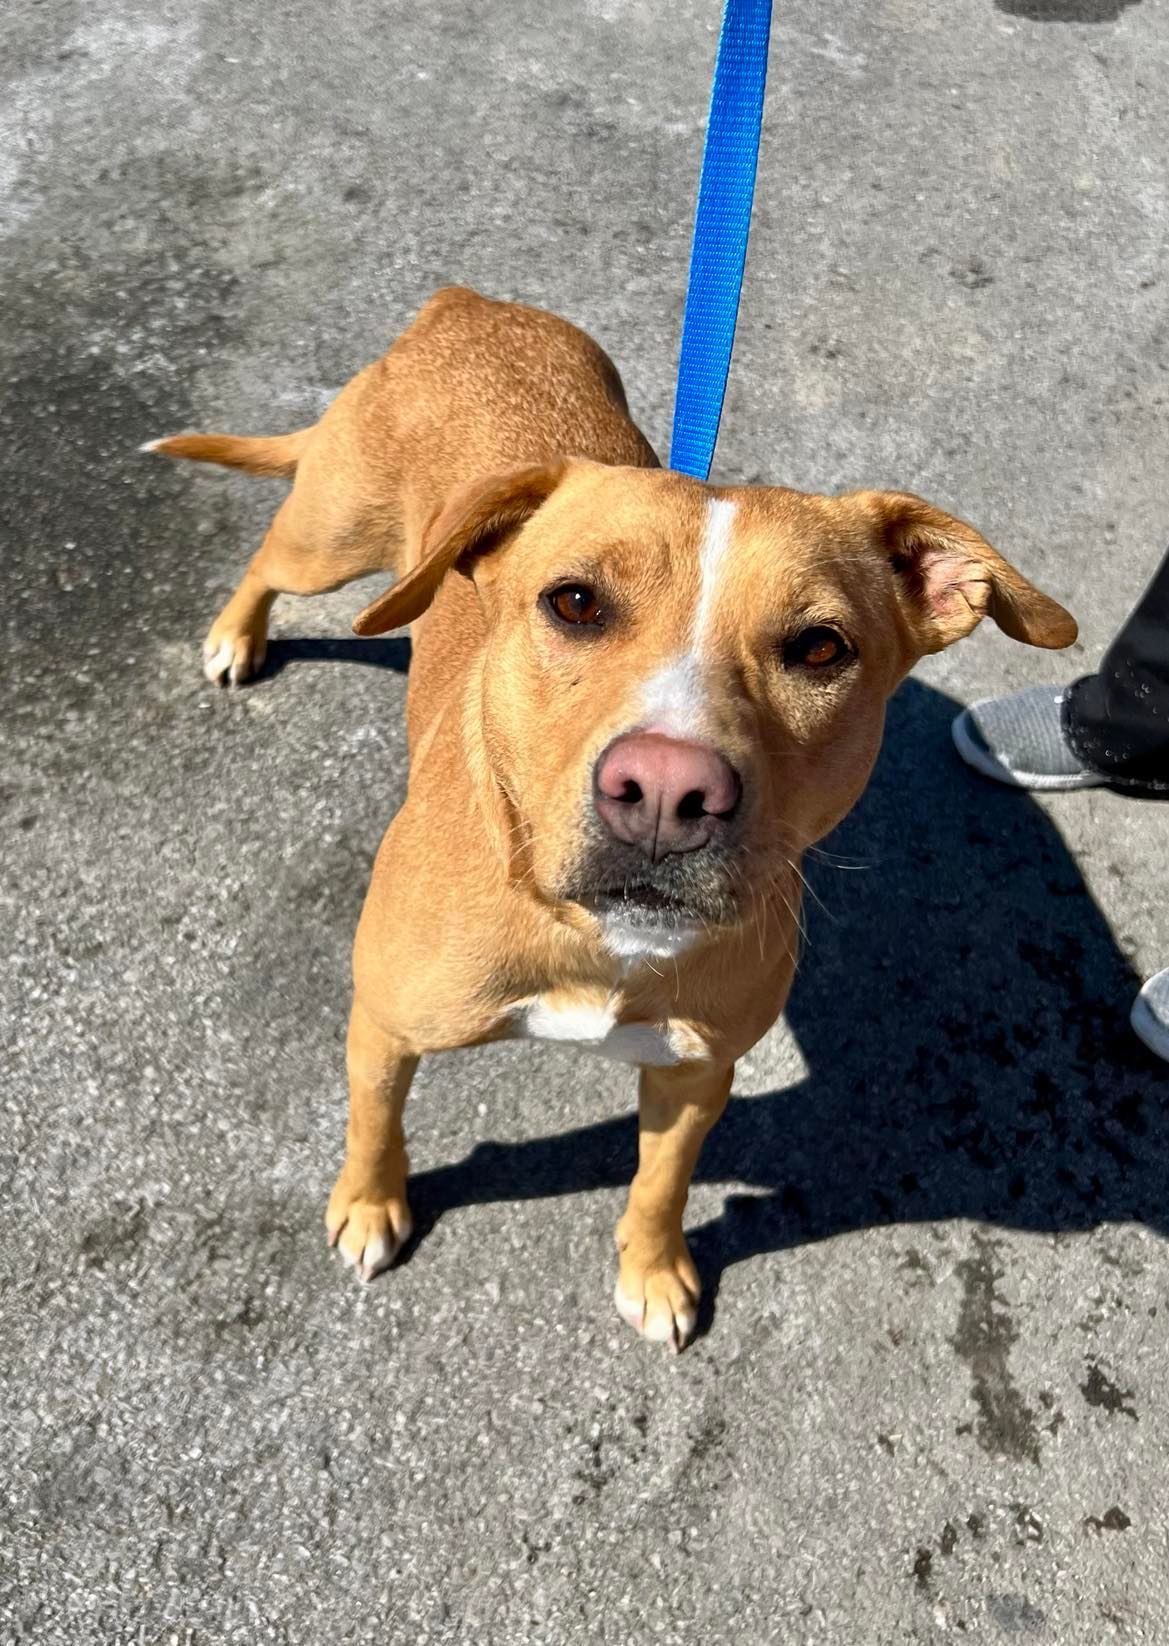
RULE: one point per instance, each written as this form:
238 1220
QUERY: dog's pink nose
663 796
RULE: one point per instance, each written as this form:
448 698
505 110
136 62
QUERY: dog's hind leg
237 642
305 551
342 520
328 531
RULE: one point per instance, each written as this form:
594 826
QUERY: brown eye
575 603
815 648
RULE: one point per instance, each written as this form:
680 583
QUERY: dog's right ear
472 522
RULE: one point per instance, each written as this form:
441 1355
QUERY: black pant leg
1117 720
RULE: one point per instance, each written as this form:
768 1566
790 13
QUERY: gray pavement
929 1402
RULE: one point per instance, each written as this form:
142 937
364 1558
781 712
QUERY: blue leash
726 188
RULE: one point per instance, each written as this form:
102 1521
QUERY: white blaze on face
674 699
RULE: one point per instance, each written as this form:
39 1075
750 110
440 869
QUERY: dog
634 701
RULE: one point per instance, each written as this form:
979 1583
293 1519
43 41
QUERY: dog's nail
332 1236
684 1329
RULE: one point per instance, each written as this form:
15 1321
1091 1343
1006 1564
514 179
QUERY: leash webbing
726 187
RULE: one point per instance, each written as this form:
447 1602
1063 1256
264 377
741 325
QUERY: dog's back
476 386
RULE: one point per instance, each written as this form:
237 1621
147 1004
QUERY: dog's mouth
698 889
642 904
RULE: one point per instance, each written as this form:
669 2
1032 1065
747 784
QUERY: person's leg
1117 720
1111 727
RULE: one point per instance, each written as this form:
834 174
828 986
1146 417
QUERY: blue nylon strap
726 188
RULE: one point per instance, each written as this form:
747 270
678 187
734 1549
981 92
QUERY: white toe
217 664
659 1328
631 1313
378 1255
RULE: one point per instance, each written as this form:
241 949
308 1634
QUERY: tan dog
632 709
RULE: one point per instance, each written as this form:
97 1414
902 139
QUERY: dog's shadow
393 653
962 1009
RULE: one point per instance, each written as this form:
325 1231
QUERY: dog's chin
640 927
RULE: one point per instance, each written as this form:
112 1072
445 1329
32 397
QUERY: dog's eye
575 603
815 648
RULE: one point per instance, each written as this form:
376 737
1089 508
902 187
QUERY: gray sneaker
1150 1014
1019 739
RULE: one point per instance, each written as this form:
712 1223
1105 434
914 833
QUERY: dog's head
684 686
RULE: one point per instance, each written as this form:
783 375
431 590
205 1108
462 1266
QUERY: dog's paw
235 655
659 1299
369 1234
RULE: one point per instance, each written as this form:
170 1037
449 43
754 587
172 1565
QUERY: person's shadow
962 1008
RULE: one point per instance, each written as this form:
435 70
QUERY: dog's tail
277 455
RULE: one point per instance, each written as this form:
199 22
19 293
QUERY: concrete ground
929 1401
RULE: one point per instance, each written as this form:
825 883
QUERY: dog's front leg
368 1216
658 1288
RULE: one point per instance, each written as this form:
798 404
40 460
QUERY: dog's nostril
692 806
631 793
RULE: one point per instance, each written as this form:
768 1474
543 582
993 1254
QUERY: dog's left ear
949 578
472 522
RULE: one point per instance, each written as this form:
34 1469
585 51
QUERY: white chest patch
595 1029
